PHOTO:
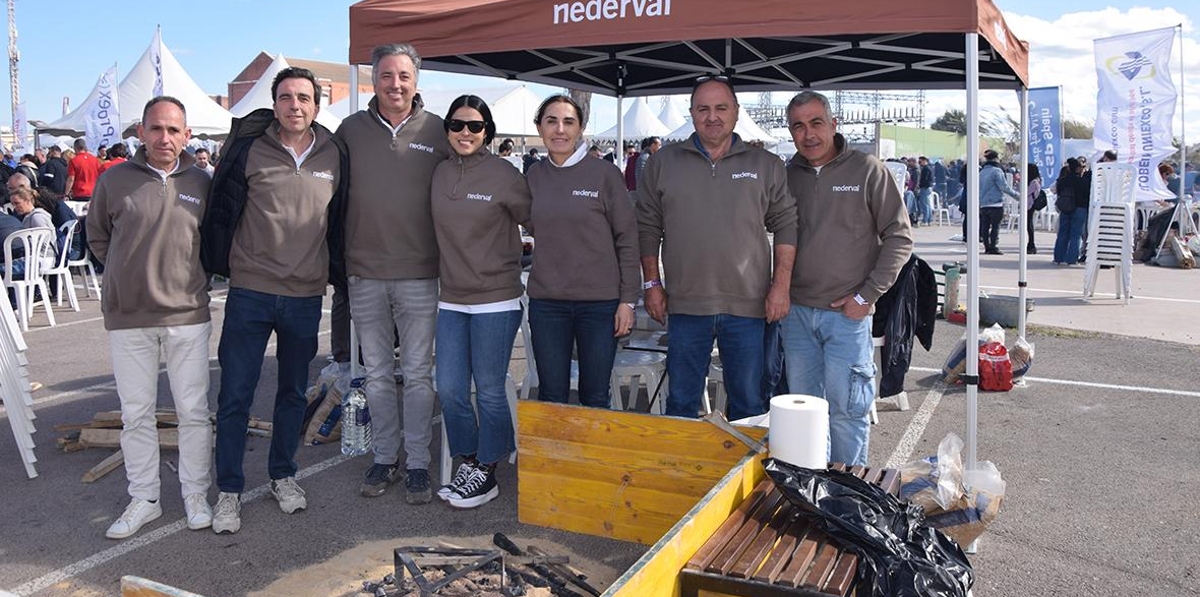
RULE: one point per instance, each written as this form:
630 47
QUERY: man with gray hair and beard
392 261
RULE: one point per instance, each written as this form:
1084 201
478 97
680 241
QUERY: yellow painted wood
133 586
656 574
616 474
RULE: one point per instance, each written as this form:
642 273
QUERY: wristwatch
648 284
858 298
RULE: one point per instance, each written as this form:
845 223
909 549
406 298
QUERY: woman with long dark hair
479 200
584 282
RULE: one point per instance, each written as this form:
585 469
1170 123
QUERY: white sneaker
136 514
199 514
288 494
228 517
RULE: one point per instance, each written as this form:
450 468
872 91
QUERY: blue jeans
924 197
689 349
250 317
830 356
1070 233
479 347
587 326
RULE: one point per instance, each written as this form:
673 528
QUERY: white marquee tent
205 117
671 115
259 96
639 123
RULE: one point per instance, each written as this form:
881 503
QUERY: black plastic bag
898 554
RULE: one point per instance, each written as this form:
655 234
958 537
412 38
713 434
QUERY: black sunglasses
702 79
475 126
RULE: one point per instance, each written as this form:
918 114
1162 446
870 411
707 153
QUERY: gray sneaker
228 518
417 485
288 494
379 476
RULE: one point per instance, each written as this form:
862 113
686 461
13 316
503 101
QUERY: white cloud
316 51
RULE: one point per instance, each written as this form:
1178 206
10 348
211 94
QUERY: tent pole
1182 128
972 190
1022 208
353 89
619 150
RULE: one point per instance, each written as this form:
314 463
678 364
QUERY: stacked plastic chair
14 387
1110 227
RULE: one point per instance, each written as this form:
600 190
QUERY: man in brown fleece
274 227
144 225
708 203
854 237
392 259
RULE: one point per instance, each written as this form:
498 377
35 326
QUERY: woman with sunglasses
478 201
584 282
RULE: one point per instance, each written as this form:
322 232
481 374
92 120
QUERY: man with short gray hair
392 261
854 238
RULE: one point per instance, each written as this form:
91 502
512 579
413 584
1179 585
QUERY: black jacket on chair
907 310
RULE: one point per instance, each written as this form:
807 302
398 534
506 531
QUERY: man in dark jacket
274 227
54 172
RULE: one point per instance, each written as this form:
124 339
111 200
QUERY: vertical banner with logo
1136 103
20 130
156 60
1045 132
102 123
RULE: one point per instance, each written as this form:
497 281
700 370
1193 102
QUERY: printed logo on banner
1131 66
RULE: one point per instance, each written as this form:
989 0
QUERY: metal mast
14 57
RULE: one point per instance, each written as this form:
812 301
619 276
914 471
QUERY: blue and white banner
156 61
1045 132
20 130
102 123
1136 104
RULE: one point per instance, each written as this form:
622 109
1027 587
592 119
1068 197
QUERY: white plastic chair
638 366
941 213
79 207
87 271
61 272
32 240
1013 215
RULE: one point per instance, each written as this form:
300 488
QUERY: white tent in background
259 96
205 116
341 108
639 122
671 115
746 128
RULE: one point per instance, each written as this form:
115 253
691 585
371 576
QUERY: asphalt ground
1098 450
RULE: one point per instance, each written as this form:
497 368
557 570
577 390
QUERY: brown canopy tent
652 47
638 47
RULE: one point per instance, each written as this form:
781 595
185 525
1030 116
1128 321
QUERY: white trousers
135 360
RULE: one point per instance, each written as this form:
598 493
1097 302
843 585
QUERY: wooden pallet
765 550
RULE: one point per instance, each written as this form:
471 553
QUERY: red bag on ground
995 368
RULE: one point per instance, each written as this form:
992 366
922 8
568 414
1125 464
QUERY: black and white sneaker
460 476
479 489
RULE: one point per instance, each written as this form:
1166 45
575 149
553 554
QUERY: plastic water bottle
356 421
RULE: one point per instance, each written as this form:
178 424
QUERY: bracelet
648 284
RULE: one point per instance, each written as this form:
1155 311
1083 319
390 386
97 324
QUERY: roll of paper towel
800 430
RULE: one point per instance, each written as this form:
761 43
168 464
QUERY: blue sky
65 45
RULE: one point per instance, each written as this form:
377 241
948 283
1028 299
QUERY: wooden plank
551 457
729 554
891 481
597 508
675 442
111 438
822 565
710 548
802 560
755 554
873 475
843 575
656 573
106 466
781 555
663 465
133 586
